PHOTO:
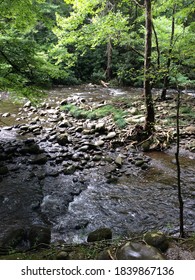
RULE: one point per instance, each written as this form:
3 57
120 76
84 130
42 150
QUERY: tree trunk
166 77
181 221
149 121
109 60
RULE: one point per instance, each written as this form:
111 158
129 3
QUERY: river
76 204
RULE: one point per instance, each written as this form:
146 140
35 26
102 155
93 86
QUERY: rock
138 251
104 255
5 115
119 161
27 104
99 235
13 238
96 158
157 239
64 102
83 148
64 123
99 143
39 159
190 129
110 135
139 163
63 255
62 139
30 149
100 127
69 170
191 146
39 236
3 170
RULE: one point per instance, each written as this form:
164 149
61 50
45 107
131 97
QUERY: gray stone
69 170
138 251
139 163
39 159
119 161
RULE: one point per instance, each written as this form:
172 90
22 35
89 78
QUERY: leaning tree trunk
150 118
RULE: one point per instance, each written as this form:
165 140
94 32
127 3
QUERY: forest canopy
48 42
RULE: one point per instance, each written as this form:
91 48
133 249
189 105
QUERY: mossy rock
12 239
99 235
39 236
157 239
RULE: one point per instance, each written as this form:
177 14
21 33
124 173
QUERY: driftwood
104 84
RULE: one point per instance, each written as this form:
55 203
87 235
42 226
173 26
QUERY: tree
24 52
150 118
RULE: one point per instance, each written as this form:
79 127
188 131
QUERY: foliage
45 42
97 113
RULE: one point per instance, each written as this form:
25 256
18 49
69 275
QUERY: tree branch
138 4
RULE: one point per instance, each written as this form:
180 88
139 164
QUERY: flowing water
77 204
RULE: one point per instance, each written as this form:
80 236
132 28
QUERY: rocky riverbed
70 176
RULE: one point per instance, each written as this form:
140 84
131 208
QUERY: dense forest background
50 42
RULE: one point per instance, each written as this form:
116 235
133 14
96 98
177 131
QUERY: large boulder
157 239
138 251
39 236
99 235
12 239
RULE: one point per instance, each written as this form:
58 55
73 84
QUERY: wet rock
39 236
138 251
84 148
63 139
39 159
13 238
157 239
4 170
69 170
31 149
139 163
99 235
96 158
